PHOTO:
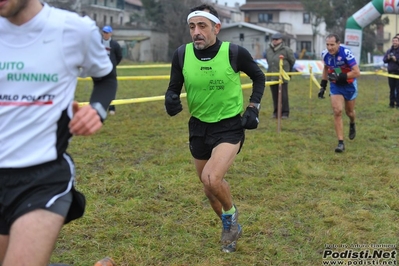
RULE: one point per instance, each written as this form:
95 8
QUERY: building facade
290 18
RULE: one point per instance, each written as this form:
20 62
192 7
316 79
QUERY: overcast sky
230 2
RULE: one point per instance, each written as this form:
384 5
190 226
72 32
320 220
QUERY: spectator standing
391 58
273 52
114 52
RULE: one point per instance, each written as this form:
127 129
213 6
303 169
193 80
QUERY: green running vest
213 88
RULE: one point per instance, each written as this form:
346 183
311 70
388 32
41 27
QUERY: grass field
145 204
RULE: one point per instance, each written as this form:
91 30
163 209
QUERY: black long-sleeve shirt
241 60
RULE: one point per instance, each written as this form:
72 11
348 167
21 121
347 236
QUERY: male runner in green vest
210 71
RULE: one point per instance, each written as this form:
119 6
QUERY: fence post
279 98
310 89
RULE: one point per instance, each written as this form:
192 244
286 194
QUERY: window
95 17
306 18
105 20
307 45
121 4
265 17
111 20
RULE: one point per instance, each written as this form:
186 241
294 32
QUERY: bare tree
171 16
335 13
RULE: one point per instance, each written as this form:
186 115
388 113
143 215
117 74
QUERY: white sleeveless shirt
39 65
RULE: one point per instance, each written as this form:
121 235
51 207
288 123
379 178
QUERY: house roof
275 6
223 13
248 25
134 2
226 8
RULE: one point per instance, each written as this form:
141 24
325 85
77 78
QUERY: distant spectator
273 52
391 57
114 52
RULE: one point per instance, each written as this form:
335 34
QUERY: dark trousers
285 110
393 92
112 107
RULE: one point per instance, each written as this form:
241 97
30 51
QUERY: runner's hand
173 104
323 85
250 118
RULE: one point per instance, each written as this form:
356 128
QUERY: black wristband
323 83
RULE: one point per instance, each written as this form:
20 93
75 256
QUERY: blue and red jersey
342 61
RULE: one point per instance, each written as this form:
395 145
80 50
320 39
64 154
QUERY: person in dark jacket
273 52
114 52
392 58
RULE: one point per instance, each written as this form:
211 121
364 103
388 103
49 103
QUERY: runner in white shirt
43 51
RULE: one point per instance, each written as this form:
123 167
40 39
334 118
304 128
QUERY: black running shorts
48 186
206 136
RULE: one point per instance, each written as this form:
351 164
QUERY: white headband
203 14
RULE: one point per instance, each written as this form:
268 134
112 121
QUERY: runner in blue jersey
341 69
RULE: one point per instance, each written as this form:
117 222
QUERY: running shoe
231 232
340 147
352 131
